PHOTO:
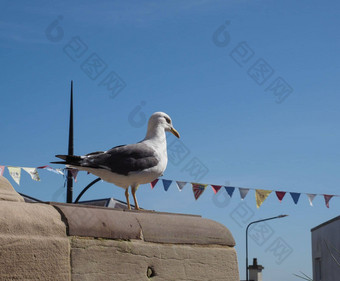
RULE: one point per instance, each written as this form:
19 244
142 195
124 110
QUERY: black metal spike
69 195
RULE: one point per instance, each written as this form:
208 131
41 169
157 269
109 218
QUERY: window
317 265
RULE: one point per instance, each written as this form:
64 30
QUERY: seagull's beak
174 131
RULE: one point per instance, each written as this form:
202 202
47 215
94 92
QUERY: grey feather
122 159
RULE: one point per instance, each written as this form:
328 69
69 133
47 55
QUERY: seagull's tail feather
58 162
69 160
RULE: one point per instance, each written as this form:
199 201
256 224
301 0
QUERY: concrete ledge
99 222
21 218
149 226
183 229
7 192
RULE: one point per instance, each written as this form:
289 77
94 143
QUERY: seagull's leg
133 191
127 198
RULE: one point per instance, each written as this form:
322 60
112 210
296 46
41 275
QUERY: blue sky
166 57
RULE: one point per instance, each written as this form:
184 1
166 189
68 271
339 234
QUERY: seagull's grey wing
94 153
123 159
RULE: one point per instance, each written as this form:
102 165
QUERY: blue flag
166 184
295 196
230 190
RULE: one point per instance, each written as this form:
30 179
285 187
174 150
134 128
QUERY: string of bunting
260 194
197 188
15 172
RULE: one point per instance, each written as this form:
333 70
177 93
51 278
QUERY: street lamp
272 218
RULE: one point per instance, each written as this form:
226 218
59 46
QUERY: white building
326 250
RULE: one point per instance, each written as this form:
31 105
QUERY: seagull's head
163 120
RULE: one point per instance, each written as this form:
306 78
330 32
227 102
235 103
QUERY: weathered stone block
72 242
99 259
33 243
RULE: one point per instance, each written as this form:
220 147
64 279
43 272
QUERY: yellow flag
15 173
261 195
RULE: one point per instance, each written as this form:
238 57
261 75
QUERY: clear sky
252 87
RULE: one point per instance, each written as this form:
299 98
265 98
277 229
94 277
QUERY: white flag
48 168
59 171
310 198
243 192
15 173
33 173
180 184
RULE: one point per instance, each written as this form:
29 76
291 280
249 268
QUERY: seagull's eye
167 120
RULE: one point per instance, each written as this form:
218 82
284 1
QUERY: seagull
129 165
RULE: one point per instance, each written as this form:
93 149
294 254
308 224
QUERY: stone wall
57 241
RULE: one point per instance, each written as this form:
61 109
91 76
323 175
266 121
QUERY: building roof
326 223
29 199
104 202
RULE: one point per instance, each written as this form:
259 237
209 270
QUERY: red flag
2 169
216 188
327 198
153 183
280 195
74 173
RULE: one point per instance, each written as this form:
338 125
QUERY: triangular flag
261 195
230 190
181 184
58 171
280 195
2 169
50 169
33 173
153 183
310 198
216 188
327 198
15 173
198 189
243 192
74 173
295 196
166 184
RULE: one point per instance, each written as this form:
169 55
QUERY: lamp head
282 216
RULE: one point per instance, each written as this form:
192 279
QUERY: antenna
69 194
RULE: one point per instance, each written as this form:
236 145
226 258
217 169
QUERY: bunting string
15 172
198 188
260 194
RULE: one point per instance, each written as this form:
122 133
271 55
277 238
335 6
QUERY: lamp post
272 218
